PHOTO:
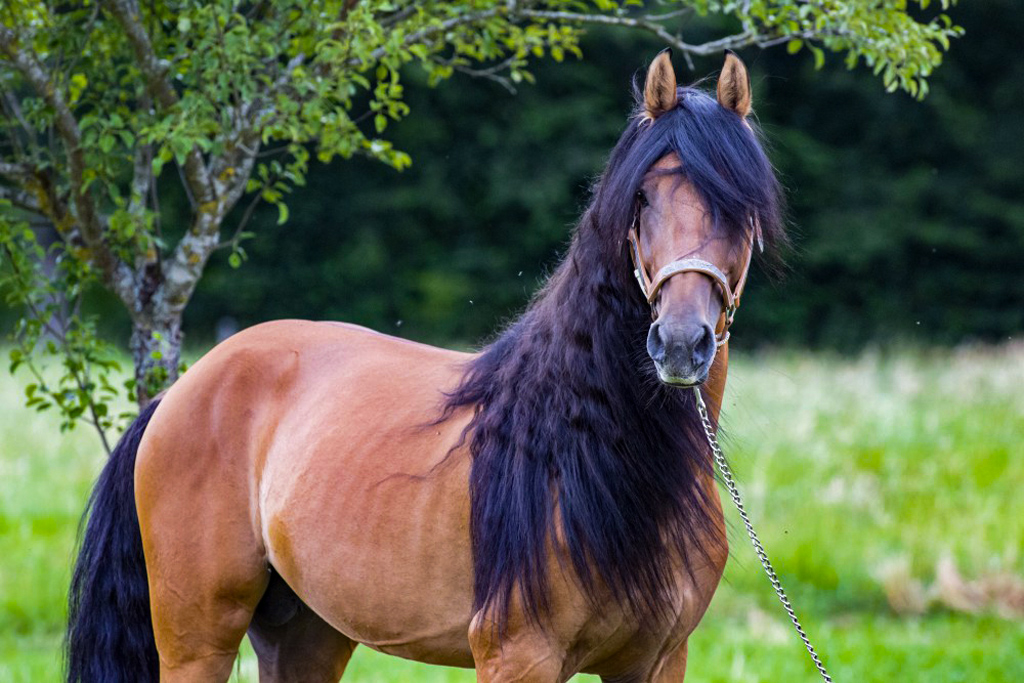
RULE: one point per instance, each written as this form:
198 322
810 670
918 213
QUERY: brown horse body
299 457
542 508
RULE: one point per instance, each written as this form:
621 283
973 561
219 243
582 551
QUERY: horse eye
641 197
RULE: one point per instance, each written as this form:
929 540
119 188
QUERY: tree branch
213 194
159 86
157 83
185 266
11 108
14 171
117 273
492 73
236 237
215 188
32 190
12 103
142 177
397 17
424 33
21 199
650 24
147 259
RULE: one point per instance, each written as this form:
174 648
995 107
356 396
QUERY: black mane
568 413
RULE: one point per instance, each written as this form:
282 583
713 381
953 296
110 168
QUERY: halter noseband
651 288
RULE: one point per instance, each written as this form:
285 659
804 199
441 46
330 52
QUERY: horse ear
660 88
734 85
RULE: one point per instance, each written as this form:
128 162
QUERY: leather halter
651 288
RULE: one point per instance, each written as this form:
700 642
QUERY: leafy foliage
103 100
906 215
888 38
49 286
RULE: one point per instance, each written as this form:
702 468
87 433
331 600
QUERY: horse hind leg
205 561
293 644
201 610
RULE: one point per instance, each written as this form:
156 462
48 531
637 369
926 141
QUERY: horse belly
366 517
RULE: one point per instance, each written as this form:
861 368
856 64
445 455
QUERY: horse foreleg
521 655
672 668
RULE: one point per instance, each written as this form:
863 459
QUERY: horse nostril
703 345
656 344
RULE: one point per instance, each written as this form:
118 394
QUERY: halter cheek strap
651 288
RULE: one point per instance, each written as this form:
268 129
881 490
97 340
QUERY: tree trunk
156 352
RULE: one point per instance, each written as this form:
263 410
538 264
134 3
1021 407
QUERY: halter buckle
730 312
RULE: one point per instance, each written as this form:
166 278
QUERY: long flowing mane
572 435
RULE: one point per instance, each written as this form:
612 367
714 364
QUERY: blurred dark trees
908 216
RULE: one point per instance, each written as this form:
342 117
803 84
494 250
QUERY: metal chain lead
730 483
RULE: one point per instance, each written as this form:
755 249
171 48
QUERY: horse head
690 256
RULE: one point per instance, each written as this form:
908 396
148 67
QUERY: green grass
848 467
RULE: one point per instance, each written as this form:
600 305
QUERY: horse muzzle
682 352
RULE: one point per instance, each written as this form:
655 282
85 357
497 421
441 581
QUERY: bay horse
544 507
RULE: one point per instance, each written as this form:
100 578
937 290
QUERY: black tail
110 634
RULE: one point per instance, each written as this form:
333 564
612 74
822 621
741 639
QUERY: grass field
886 477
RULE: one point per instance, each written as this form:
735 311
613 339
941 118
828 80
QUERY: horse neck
714 387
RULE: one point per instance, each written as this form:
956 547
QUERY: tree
110 108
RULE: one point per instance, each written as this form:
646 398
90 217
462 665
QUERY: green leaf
76 84
107 142
819 55
793 46
282 213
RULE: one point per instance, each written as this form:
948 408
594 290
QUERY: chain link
730 483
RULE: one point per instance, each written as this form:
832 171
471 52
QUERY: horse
542 507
